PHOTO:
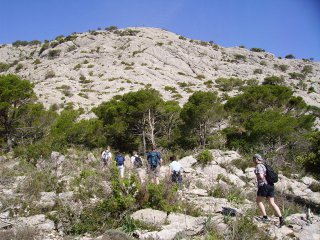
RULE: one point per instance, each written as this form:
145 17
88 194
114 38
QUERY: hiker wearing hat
265 190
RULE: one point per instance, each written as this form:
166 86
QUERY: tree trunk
144 142
9 143
151 126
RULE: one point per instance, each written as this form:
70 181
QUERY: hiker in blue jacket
120 163
154 163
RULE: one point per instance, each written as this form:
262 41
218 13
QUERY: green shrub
282 67
161 197
38 181
170 89
204 157
263 63
19 67
72 48
257 71
54 53
44 47
111 28
252 82
311 90
53 44
182 38
19 43
242 164
298 76
240 57
37 61
273 80
228 84
257 50
307 69
126 32
290 56
4 67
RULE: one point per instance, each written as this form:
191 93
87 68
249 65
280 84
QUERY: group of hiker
154 162
265 175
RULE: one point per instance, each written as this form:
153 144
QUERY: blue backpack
154 159
119 160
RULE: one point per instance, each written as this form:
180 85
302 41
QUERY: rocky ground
221 192
89 68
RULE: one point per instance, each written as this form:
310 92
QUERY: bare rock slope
89 68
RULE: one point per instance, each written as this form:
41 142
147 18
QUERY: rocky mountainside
218 197
89 68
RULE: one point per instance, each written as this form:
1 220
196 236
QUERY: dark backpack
271 175
119 160
154 159
176 177
137 162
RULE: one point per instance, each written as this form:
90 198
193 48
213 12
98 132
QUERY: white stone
150 216
308 181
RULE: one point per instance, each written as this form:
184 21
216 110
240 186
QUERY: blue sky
278 26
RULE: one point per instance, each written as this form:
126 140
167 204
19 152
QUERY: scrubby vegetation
264 118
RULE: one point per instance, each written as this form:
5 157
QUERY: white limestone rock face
36 221
47 199
150 216
171 225
155 56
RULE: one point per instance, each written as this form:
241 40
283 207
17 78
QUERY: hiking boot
263 219
282 222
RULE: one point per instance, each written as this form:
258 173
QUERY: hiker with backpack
120 163
136 160
266 178
154 162
175 170
137 164
106 157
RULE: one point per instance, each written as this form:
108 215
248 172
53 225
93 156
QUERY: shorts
154 172
265 190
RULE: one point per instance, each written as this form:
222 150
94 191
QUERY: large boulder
47 199
172 225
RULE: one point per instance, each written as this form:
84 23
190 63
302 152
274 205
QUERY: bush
240 57
273 80
298 76
4 67
228 84
290 56
282 67
204 157
54 53
44 47
20 43
307 69
111 28
71 48
244 228
37 61
242 164
257 50
257 71
19 67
